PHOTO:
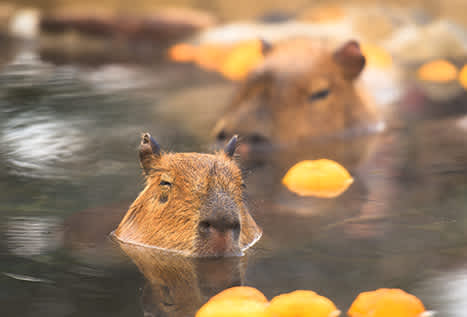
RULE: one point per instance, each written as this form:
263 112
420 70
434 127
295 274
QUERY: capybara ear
266 47
350 58
231 146
149 152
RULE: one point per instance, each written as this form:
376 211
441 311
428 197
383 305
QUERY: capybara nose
220 236
219 225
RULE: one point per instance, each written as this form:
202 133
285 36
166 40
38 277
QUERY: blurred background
80 80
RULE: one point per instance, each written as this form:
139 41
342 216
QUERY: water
68 138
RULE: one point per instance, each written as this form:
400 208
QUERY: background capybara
302 90
192 203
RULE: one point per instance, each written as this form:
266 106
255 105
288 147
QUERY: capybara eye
319 95
165 183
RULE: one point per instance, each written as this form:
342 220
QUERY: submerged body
193 203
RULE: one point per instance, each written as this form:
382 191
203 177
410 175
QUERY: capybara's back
193 203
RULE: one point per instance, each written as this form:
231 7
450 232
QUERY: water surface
68 139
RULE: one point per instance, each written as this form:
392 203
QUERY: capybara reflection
302 90
178 285
192 203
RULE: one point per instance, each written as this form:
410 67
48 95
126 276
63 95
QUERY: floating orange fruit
463 76
386 303
233 302
438 71
183 53
301 304
232 308
211 56
376 56
242 59
320 178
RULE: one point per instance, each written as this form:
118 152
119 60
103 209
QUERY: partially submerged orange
183 53
211 56
232 308
386 303
301 304
438 71
320 178
235 302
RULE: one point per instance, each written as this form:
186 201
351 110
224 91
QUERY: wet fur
169 220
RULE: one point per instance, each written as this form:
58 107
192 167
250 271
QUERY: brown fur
169 216
280 101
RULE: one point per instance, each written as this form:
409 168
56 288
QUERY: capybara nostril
219 224
219 235
204 227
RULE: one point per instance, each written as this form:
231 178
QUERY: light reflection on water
32 236
38 143
67 144
449 291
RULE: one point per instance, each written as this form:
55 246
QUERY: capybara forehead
200 169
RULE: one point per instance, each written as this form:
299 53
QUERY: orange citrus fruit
437 71
386 303
320 178
301 304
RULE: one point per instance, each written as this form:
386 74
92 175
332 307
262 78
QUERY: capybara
192 203
301 91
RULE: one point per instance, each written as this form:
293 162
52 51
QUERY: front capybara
192 203
301 91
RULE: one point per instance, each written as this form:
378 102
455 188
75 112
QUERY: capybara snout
219 226
193 203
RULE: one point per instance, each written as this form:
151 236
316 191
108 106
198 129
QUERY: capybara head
302 90
193 203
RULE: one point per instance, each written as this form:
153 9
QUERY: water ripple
32 236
